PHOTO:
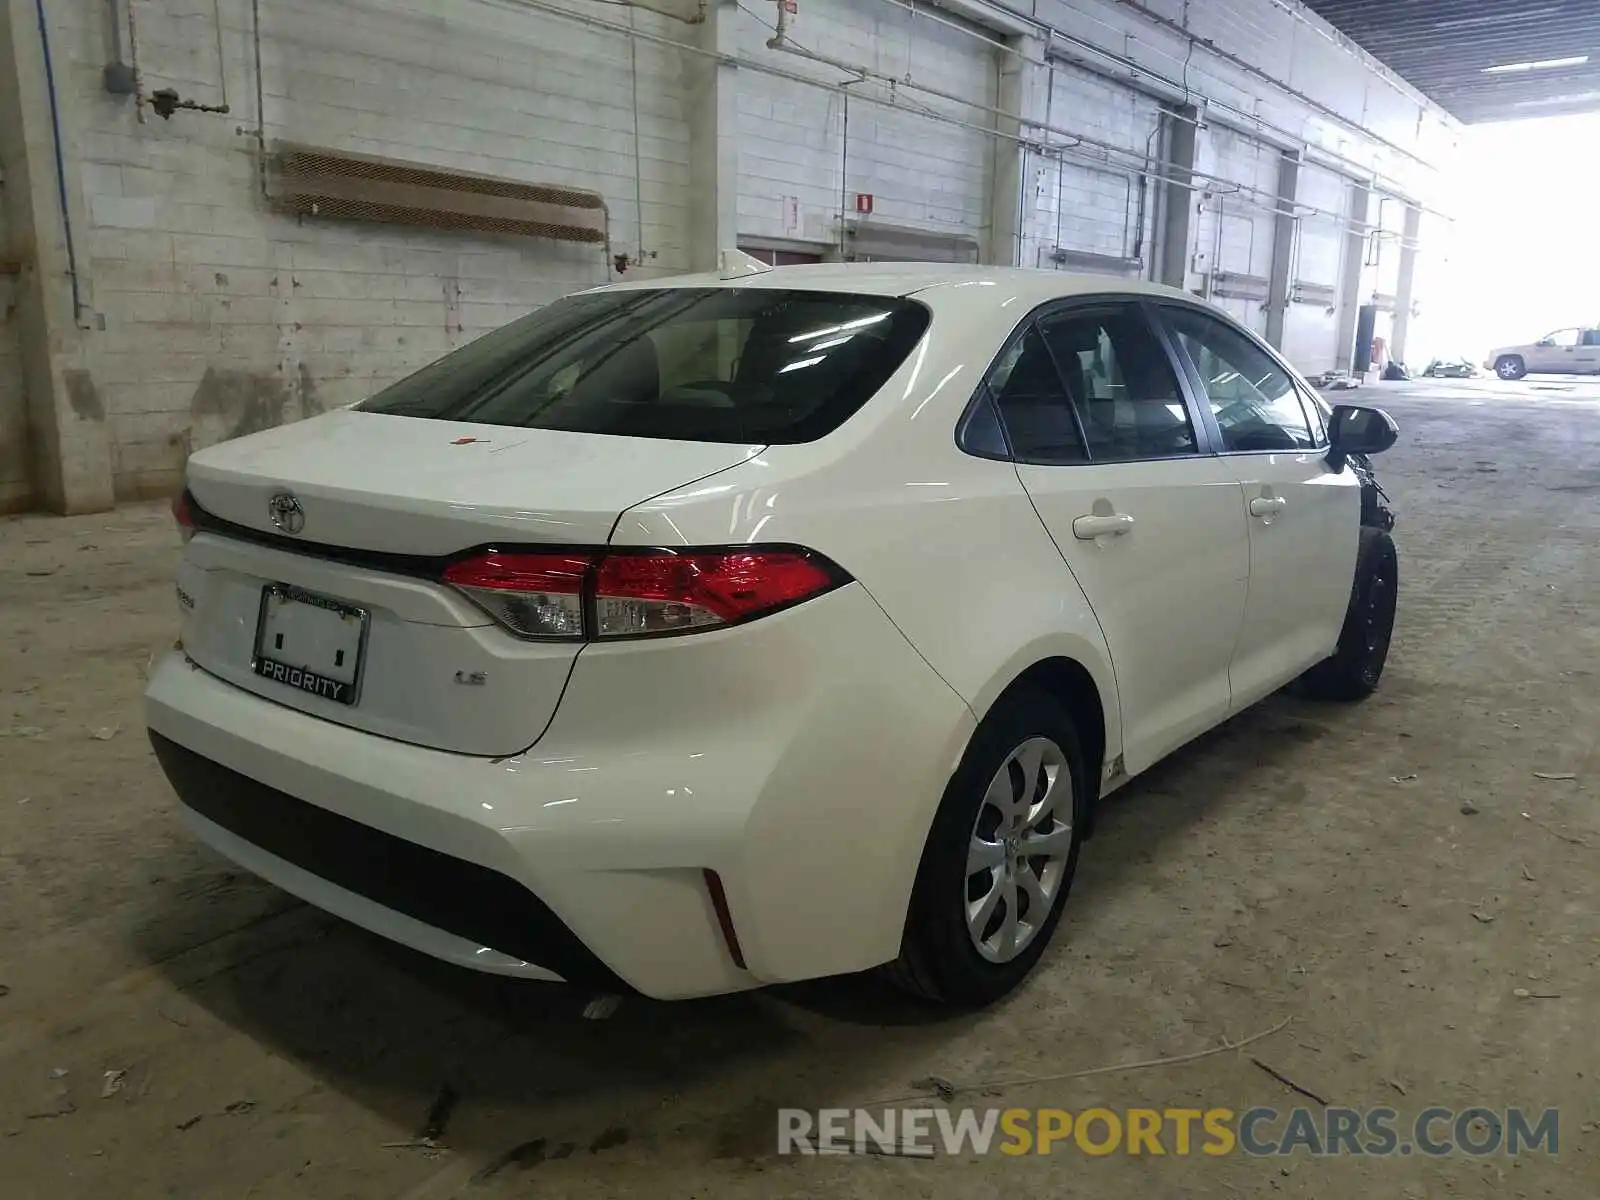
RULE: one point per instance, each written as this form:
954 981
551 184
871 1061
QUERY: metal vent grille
315 182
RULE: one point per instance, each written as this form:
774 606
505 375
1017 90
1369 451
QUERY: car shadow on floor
390 1028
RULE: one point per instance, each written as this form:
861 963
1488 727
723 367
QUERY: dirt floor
1393 877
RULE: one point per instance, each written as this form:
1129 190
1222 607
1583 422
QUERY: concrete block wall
798 163
16 487
220 317
206 316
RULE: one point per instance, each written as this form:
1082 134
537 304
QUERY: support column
1350 276
1177 196
1283 237
1405 288
1021 91
713 145
69 447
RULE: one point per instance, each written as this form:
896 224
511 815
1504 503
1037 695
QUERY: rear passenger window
1121 384
1027 392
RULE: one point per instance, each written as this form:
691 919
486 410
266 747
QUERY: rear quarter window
690 364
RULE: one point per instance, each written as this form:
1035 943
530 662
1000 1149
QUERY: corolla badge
286 513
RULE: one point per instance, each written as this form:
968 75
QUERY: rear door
1150 524
1589 351
1303 517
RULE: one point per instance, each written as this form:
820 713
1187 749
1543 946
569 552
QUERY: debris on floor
1289 1083
938 1085
107 733
1554 775
111 1083
444 1104
1469 809
601 1007
59 1103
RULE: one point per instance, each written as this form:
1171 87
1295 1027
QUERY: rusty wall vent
315 182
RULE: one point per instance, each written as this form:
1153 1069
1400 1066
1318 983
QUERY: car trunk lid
313 579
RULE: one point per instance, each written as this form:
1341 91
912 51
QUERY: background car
692 635
1573 351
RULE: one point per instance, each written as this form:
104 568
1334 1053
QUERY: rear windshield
691 364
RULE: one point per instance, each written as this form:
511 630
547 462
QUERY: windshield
690 364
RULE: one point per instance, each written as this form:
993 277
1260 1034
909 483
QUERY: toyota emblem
286 513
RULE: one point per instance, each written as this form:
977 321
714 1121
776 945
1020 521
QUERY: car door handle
1088 528
1267 506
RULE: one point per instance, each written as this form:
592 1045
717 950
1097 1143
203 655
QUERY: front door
1151 527
1554 354
1303 517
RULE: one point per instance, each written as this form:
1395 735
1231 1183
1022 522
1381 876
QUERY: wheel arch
1092 705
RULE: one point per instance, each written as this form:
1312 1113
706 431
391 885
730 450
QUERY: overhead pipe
735 60
1245 122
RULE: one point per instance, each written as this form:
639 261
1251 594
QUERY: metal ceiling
1445 48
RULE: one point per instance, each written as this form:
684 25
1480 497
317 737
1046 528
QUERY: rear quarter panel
947 543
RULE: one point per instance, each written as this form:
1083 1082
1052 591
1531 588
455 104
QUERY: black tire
1353 670
1510 366
938 958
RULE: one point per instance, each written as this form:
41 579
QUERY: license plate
310 643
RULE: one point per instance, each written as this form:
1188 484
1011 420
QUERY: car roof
906 279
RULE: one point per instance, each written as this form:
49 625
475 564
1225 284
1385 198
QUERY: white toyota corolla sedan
699 634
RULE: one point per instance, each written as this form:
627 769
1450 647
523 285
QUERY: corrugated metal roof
1446 49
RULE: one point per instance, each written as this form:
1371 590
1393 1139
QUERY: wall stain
239 402
310 397
83 395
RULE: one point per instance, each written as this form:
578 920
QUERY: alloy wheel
1020 846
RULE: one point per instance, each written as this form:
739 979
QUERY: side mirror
1356 429
1545 342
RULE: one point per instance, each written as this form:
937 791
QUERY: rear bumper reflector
719 901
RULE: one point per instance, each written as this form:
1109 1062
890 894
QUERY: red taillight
638 594
182 515
668 593
532 595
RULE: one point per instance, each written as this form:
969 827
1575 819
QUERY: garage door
1086 215
1311 326
1234 229
802 155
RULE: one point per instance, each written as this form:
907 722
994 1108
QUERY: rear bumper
801 758
370 877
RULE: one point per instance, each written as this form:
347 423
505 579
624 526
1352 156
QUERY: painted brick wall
797 162
221 317
1077 205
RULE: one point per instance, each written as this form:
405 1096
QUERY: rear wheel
1510 366
1000 857
1353 670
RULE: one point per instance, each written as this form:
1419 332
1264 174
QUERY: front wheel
1353 670
1510 366
1000 856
